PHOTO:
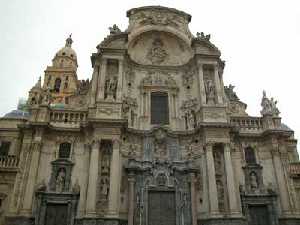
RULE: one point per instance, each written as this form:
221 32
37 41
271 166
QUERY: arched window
57 84
250 155
64 150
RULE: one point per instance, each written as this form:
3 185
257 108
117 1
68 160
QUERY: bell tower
61 78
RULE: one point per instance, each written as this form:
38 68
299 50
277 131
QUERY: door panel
259 215
161 210
56 214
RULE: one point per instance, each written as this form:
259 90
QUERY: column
101 80
202 93
94 85
131 182
193 200
93 178
31 181
120 80
114 188
281 181
212 186
231 186
218 85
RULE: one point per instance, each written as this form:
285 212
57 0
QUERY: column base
289 221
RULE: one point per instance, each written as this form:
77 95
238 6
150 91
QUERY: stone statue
269 106
253 181
46 97
105 164
60 180
210 92
41 186
202 36
114 29
104 187
110 88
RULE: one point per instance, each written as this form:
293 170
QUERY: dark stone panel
19 220
223 221
290 221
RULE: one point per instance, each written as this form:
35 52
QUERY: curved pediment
160 49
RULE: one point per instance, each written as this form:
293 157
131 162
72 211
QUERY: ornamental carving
157 54
188 78
161 79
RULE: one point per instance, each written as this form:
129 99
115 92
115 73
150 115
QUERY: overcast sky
259 40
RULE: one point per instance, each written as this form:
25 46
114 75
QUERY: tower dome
66 56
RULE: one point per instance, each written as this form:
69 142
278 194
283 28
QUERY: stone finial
269 106
69 41
114 29
202 36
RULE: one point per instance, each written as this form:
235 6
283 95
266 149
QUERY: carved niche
111 79
129 110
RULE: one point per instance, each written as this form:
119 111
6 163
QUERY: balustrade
72 117
9 161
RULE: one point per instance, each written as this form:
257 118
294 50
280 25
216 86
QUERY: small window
159 108
4 148
250 155
57 84
64 150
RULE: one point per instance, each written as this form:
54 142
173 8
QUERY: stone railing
67 117
247 123
9 162
294 169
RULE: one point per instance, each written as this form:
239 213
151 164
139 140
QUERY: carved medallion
157 54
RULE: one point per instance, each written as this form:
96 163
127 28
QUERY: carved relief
158 78
157 54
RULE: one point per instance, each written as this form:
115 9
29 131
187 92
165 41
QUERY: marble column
211 176
281 181
218 84
120 80
31 180
131 182
114 188
94 84
193 200
101 80
93 179
231 187
202 92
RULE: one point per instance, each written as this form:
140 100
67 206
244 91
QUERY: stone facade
154 138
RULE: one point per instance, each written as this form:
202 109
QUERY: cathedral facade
153 138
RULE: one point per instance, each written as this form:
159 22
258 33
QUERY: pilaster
93 178
101 79
218 84
231 187
202 93
114 193
211 176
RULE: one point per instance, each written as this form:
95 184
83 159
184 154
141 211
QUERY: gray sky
259 41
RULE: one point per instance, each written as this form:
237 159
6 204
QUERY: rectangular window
4 148
159 108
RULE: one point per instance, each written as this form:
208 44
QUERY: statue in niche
157 54
110 88
210 92
60 180
105 164
269 106
253 181
104 187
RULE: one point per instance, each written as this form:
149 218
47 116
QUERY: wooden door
259 215
56 214
161 208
